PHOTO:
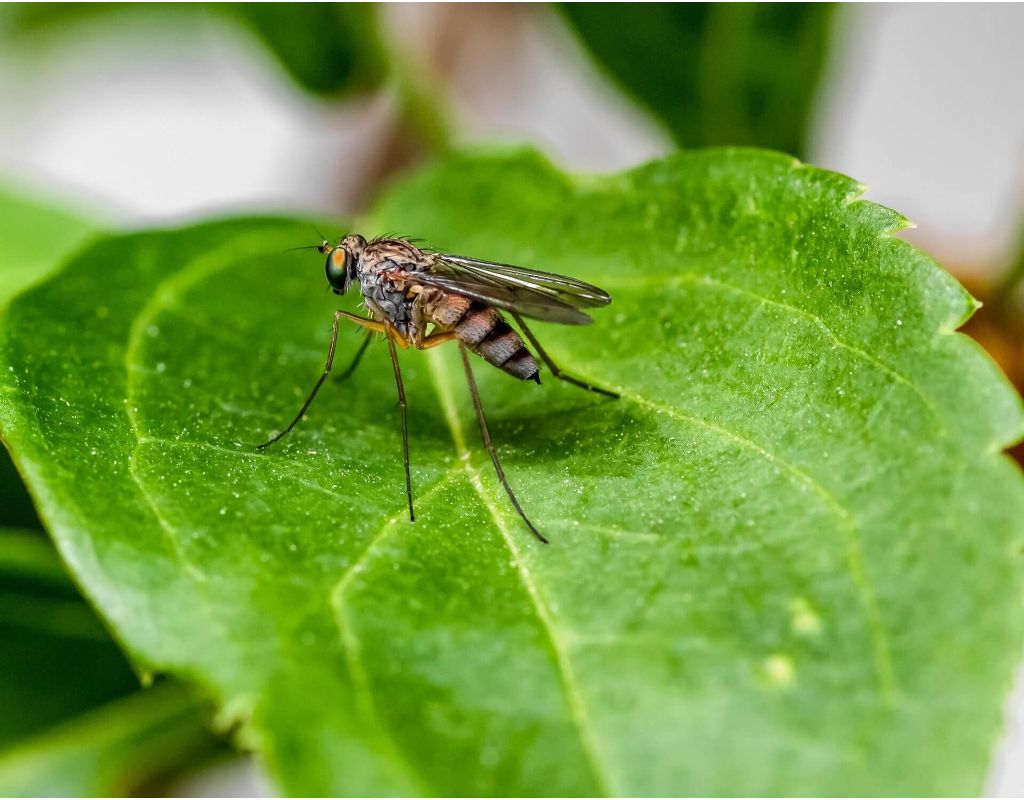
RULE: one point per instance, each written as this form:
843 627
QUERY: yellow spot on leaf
779 670
803 618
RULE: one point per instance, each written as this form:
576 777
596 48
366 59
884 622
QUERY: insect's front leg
369 324
366 323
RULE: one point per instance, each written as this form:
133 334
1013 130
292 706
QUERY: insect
421 298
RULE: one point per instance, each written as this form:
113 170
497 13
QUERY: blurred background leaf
334 51
36 235
75 722
16 507
44 622
715 74
327 49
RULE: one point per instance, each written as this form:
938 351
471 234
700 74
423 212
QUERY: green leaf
74 721
715 74
787 561
36 235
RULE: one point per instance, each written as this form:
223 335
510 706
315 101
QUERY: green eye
337 269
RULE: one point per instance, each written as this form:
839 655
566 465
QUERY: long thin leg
316 386
490 447
405 422
355 359
554 367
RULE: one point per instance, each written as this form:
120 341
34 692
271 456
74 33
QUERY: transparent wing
540 295
568 290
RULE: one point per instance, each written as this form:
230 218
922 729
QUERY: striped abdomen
487 333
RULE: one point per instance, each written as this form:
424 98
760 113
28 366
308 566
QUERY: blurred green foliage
74 722
327 47
16 509
714 73
58 660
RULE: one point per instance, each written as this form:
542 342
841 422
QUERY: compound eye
337 269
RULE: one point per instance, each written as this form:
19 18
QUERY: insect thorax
387 301
386 275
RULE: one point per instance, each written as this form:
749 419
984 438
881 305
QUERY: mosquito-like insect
406 289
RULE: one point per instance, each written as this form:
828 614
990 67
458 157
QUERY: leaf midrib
556 638
350 642
217 260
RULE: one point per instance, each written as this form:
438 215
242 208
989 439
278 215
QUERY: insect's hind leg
436 339
478 407
405 419
555 370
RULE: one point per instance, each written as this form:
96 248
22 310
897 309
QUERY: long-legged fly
423 298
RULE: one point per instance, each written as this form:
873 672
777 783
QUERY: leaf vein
556 637
365 704
163 296
698 280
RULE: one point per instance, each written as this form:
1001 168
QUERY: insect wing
532 293
568 290
508 297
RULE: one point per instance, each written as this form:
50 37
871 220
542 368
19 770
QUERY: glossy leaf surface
787 561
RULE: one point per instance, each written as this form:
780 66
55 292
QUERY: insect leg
435 339
316 386
554 367
405 422
369 324
490 446
355 359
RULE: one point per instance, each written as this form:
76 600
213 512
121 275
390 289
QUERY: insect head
341 261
